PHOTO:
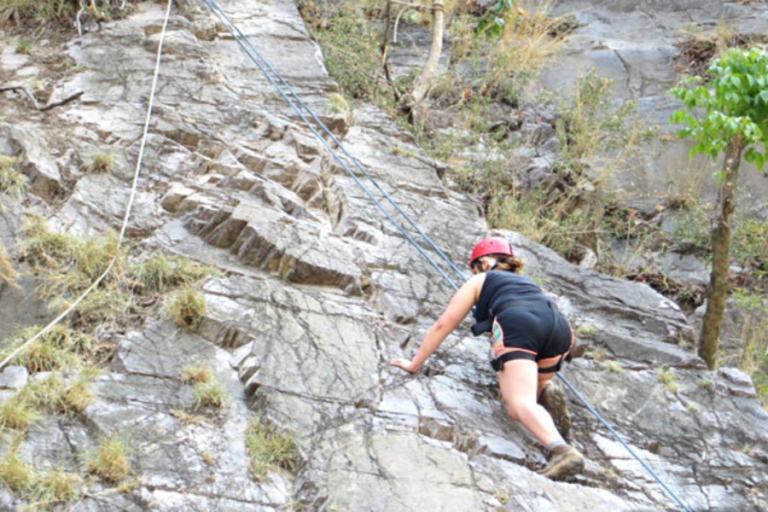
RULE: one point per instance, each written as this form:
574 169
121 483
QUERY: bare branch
59 103
41 108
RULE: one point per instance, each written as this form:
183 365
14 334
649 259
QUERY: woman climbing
530 340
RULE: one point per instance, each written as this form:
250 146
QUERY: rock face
319 292
633 43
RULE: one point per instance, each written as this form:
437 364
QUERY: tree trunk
721 248
424 80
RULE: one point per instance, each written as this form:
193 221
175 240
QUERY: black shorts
532 332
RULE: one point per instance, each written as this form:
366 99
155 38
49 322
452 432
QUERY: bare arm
459 307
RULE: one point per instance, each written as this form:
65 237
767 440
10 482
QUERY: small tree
729 116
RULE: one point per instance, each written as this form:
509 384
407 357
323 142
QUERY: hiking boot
565 461
554 401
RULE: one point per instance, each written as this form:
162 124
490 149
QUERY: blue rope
623 443
265 67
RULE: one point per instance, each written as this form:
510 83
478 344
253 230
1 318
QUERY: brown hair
503 262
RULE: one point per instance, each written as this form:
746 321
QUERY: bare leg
544 379
520 385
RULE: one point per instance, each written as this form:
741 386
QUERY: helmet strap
491 261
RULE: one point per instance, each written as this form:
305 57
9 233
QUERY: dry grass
57 349
337 104
7 271
187 308
197 373
58 395
18 413
60 13
41 491
160 272
68 265
110 460
17 475
667 377
101 163
12 182
210 395
529 41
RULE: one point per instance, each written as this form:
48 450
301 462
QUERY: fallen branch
59 103
41 108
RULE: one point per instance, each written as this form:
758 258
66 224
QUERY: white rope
129 207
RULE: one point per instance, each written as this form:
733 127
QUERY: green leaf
760 161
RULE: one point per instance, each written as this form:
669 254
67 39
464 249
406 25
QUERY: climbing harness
128 207
273 77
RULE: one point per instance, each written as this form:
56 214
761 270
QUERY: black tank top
502 286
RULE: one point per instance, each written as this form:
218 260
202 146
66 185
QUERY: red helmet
491 245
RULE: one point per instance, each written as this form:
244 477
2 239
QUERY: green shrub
691 230
750 244
350 44
59 12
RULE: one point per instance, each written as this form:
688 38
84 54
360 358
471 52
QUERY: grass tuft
110 460
57 349
55 487
338 104
210 394
197 373
55 395
269 448
16 474
18 413
667 377
160 272
101 163
12 182
187 308
68 265
7 272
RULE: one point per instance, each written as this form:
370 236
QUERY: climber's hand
406 364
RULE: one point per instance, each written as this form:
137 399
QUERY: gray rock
14 377
35 161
